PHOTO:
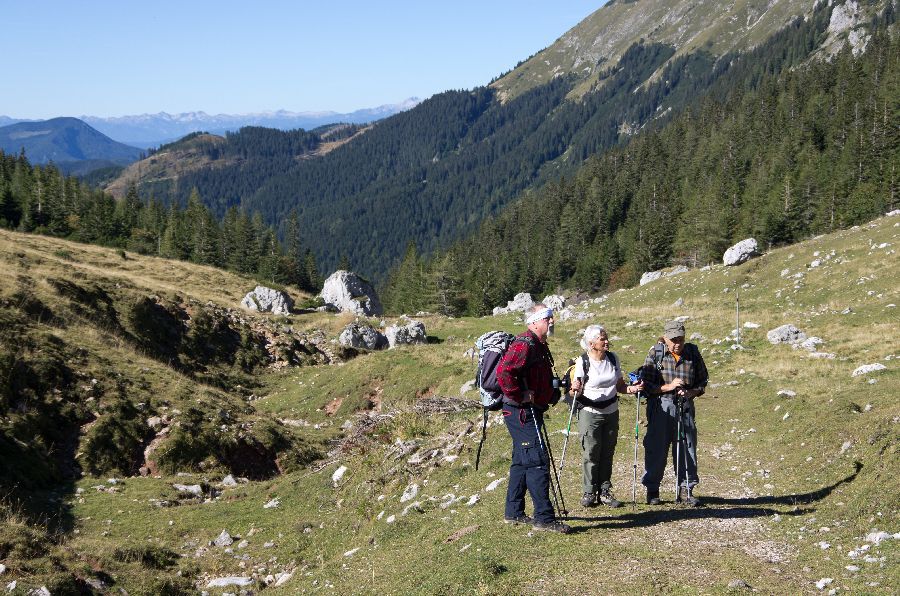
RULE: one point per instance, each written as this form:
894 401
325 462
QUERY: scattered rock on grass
234 580
338 474
868 368
493 485
194 489
410 493
224 539
786 334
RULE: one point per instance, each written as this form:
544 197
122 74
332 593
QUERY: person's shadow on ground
713 508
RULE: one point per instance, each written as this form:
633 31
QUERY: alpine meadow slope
372 474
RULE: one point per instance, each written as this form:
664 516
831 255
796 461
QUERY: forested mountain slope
431 174
798 153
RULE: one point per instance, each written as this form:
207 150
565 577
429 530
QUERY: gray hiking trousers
599 433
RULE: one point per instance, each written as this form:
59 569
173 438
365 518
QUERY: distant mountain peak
65 141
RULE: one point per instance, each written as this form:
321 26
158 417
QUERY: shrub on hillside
89 301
116 442
210 339
252 353
157 329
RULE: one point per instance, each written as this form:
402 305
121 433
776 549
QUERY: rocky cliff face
598 42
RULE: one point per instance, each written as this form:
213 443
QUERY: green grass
780 474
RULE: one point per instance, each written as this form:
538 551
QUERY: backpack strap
659 352
613 359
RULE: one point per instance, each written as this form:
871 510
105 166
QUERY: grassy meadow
377 490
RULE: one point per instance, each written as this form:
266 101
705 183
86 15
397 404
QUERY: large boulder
348 292
411 333
741 252
362 336
266 299
520 303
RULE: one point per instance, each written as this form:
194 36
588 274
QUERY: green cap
674 329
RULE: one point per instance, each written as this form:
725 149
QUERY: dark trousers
599 433
530 466
662 421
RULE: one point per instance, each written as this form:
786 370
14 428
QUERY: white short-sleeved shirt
601 384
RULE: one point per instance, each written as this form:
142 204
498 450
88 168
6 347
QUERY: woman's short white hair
590 334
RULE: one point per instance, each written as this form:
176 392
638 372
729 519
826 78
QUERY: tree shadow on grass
714 508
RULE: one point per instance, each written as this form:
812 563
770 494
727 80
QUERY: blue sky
114 58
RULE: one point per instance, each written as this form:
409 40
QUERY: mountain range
151 130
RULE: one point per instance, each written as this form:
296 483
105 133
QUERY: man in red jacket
525 374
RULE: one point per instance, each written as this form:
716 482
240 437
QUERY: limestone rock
868 368
194 489
411 333
266 299
363 336
786 334
554 301
654 275
741 252
338 475
234 580
224 539
520 303
571 314
348 292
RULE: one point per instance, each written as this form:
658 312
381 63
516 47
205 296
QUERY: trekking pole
537 428
678 405
562 460
562 498
637 422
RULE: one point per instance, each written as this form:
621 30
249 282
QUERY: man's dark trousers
530 468
662 435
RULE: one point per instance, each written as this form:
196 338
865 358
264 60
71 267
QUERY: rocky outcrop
654 275
348 292
355 335
411 333
265 299
741 252
520 303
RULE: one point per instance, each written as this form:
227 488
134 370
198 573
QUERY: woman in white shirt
598 416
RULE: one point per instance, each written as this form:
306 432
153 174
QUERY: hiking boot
522 519
589 500
692 500
553 526
606 497
653 497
